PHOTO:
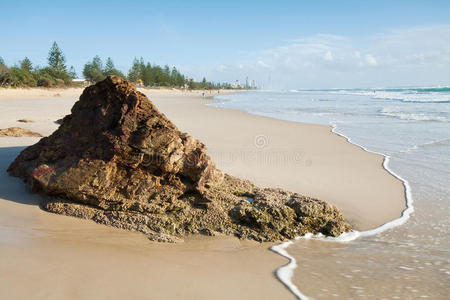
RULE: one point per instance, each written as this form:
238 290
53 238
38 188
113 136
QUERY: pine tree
56 59
147 75
109 67
158 75
4 72
135 72
72 72
203 83
26 64
176 78
93 71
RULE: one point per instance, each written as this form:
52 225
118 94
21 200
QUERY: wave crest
413 116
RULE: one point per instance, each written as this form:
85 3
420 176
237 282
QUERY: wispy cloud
399 57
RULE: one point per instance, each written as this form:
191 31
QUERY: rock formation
118 161
18 132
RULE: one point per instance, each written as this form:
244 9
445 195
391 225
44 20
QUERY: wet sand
57 256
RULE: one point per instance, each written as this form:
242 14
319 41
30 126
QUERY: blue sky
296 43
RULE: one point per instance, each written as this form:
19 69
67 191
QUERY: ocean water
408 258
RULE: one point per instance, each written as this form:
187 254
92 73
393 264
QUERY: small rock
25 121
18 132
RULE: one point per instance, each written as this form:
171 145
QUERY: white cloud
262 64
415 56
222 68
370 60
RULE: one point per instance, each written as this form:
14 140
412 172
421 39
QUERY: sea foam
412 116
403 95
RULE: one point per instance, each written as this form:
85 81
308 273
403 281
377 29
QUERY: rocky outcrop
18 132
118 161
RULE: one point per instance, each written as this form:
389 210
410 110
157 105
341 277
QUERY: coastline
326 165
239 153
286 272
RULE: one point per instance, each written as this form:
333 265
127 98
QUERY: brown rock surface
118 161
18 132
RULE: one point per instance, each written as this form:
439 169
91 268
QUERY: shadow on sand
12 188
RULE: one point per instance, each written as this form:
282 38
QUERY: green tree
110 69
166 76
135 72
148 77
109 66
158 75
26 64
93 71
97 62
20 77
203 85
177 78
72 73
4 72
56 59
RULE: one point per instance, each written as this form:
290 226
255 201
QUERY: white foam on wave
286 272
404 96
412 116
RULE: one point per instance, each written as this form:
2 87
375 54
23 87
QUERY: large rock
118 161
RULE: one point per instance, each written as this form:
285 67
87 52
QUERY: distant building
237 85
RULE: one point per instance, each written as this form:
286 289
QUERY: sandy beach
81 259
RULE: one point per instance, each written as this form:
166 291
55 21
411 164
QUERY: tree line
145 74
141 73
24 74
56 73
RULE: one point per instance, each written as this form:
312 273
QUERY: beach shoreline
262 149
280 156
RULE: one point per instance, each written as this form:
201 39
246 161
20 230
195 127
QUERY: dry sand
49 256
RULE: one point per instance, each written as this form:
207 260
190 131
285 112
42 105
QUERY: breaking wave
421 95
412 116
